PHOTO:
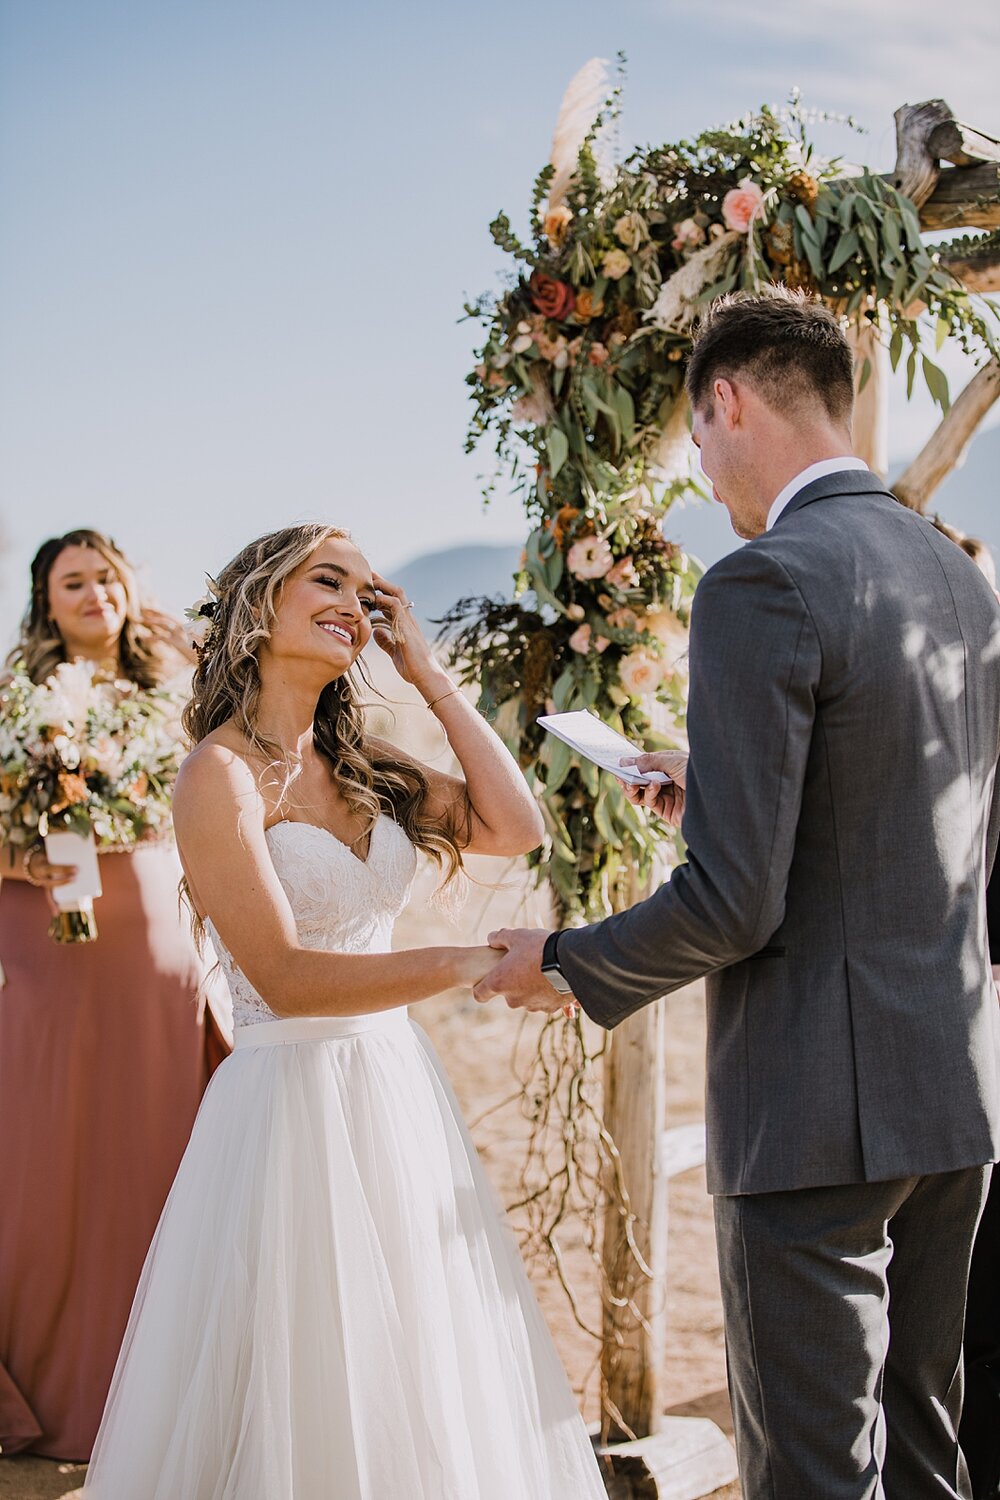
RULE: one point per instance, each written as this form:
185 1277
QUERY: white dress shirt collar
814 471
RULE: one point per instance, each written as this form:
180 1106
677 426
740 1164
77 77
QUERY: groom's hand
518 975
666 801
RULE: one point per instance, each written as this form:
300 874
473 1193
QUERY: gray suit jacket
844 723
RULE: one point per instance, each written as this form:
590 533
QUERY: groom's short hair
789 347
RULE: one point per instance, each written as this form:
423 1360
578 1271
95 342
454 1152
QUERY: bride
332 1306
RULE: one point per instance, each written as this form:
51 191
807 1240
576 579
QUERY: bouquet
85 753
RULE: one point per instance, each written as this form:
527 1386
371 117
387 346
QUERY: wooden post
946 446
635 1307
871 407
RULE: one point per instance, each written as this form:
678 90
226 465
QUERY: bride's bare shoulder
217 767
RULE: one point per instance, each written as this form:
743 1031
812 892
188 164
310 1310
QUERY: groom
840 820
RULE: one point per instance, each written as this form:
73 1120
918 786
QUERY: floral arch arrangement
579 385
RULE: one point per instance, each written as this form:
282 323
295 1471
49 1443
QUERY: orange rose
586 308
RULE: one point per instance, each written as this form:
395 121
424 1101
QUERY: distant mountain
437 580
969 499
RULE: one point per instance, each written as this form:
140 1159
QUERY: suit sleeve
754 666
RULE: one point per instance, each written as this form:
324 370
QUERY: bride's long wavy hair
151 647
226 689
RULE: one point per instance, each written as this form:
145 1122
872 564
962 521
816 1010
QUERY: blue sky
236 238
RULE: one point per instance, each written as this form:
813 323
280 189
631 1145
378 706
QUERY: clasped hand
518 973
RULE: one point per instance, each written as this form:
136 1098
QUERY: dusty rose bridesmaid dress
105 1052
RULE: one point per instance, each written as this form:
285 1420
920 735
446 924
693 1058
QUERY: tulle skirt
332 1307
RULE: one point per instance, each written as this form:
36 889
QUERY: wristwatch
550 965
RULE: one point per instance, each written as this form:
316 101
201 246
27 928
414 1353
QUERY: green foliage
579 377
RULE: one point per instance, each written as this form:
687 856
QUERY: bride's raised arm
490 808
219 818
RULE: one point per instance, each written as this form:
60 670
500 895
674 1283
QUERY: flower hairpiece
201 615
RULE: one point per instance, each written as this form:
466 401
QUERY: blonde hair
150 645
972 546
226 689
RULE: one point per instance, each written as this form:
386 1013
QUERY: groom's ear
728 402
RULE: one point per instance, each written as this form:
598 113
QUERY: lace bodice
338 901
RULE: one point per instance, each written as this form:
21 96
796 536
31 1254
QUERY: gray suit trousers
844 1310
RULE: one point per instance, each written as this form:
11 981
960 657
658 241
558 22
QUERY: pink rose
597 354
601 643
741 205
580 640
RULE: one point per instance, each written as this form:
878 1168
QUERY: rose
586 308
590 557
631 230
555 225
580 640
551 297
640 674
616 264
741 205
597 354
687 236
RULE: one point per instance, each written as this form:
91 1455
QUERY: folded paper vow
590 737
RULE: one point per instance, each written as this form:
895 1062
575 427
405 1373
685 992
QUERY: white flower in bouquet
67 696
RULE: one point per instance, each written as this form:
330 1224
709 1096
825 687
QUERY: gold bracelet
28 856
442 696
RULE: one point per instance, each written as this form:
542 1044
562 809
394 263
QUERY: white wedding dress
332 1307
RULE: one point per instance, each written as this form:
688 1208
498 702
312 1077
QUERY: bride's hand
402 639
473 964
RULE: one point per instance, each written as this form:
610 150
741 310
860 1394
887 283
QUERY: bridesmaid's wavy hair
373 779
150 646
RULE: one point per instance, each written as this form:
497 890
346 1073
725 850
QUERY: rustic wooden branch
961 145
916 171
977 268
963 196
947 446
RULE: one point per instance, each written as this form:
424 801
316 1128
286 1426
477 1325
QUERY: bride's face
324 610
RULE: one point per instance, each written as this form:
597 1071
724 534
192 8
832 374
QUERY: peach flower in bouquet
640 673
741 205
590 557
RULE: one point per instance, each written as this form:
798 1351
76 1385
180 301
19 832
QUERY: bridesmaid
105 1050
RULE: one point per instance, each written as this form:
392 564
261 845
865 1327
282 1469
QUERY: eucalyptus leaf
937 383
557 449
847 245
557 757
